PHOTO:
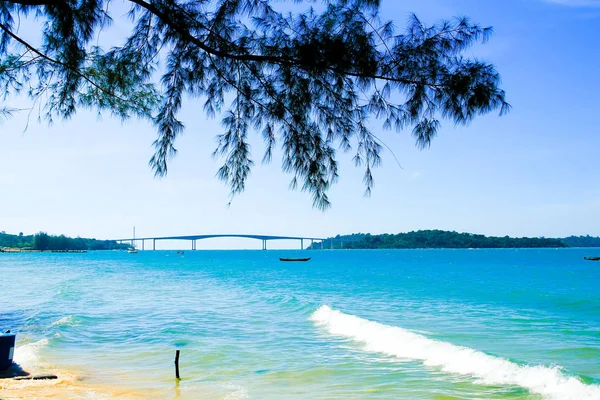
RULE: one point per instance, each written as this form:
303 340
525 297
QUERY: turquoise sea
397 324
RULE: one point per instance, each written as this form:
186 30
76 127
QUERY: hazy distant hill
437 239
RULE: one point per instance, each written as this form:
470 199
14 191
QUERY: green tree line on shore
43 241
582 241
410 240
435 239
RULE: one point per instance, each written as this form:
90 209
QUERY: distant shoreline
41 241
438 239
17 250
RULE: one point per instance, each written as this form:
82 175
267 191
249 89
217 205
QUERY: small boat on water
132 249
179 251
293 259
592 258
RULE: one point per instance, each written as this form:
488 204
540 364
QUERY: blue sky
533 172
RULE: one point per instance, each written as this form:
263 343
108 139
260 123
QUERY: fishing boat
179 251
592 258
293 259
132 249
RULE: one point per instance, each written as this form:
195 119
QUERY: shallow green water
406 324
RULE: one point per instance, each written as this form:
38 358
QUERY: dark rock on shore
37 377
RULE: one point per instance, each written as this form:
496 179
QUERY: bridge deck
199 237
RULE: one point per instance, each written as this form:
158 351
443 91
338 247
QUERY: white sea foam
237 392
549 382
27 355
65 321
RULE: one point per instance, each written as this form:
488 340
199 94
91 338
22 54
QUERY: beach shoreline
70 384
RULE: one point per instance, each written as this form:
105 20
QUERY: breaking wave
27 355
549 382
65 321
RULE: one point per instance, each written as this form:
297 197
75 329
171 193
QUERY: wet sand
65 387
69 385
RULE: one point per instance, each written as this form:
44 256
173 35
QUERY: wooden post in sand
177 364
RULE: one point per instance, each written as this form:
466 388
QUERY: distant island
43 242
582 241
425 239
438 239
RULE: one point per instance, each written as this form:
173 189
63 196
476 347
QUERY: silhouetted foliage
310 80
434 239
8 240
43 241
582 241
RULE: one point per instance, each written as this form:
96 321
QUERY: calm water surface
399 324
